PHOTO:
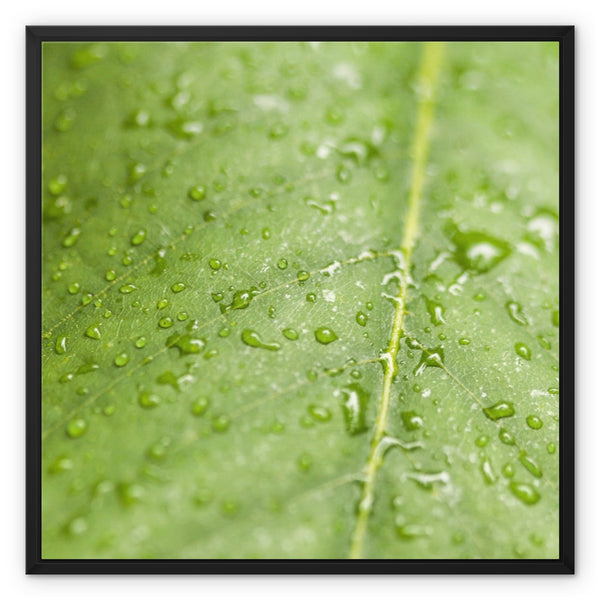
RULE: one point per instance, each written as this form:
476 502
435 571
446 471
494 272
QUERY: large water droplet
76 428
93 332
241 299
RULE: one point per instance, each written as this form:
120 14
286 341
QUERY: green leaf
300 300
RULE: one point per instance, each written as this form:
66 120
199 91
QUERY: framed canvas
294 296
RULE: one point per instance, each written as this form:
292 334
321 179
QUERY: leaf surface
300 300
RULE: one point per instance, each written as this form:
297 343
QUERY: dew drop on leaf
524 492
252 338
76 428
325 335
500 410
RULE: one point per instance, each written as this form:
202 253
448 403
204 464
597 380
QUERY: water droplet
354 408
506 437
555 318
530 464
121 359
60 465
127 288
430 357
487 471
197 193
76 428
77 526
186 343
140 342
310 297
523 351
214 264
200 405
166 322
478 252
553 390
515 311
464 341
290 334
148 400
343 174
319 413
302 276
282 263
86 299
361 318
251 338
182 315
217 296
57 185
436 312
110 275
138 237
185 129
482 441
178 287
534 422
524 492
500 410
221 423
508 471
127 260
131 493
61 344
93 332
412 421
241 299
266 233
479 297
71 238
304 462
325 335
551 448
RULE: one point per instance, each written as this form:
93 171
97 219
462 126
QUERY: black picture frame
36 35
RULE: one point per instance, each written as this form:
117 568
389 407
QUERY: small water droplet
325 335
61 344
354 407
221 423
530 464
166 322
436 312
178 287
506 437
534 422
478 252
240 300
556 318
430 357
319 413
487 471
310 297
127 288
500 410
551 448
186 343
412 421
197 193
361 318
57 185
140 342
266 233
343 174
121 359
282 263
515 311
251 338
214 264
200 405
302 276
71 238
148 400
138 237
508 471
464 341
290 334
304 462
76 428
110 275
524 492
523 351
93 332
